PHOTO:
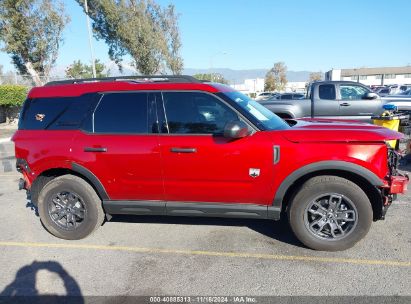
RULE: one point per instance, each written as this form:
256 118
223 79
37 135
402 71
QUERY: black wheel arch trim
92 178
322 166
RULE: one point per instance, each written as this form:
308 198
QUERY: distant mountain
238 76
233 76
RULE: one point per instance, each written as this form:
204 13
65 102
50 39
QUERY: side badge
253 172
40 117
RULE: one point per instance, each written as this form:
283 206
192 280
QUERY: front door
200 165
122 149
354 106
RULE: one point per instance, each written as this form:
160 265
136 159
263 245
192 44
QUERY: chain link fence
26 80
9 114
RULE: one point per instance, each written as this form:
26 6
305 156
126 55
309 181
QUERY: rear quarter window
56 113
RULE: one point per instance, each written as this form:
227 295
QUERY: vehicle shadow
276 230
405 164
23 289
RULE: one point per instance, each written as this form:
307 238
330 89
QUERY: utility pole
211 63
93 61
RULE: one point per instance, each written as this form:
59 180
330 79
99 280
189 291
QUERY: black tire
74 197
348 208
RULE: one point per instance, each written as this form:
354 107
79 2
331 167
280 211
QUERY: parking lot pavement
193 256
6 131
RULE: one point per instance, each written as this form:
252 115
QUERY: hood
325 130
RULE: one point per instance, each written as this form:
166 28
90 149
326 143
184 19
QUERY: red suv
173 145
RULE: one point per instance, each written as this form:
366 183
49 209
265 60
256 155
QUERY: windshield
268 119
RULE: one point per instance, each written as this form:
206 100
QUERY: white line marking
3 140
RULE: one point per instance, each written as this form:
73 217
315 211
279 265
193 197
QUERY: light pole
93 63
211 62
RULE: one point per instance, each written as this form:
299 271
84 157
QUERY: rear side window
57 113
326 91
122 113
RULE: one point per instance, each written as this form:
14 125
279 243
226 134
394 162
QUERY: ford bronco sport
173 145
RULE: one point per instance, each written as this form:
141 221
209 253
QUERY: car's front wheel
330 213
69 207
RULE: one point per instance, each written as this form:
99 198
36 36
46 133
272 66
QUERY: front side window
351 92
326 91
196 113
122 113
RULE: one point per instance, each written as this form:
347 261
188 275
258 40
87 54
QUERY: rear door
121 146
354 106
325 102
200 164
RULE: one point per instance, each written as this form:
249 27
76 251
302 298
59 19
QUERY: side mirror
370 95
236 129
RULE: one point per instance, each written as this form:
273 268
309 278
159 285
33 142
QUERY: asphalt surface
192 256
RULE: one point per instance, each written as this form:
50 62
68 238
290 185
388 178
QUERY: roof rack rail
142 78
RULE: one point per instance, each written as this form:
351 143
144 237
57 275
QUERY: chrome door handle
183 150
91 149
345 104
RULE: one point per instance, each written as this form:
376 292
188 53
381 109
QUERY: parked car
288 96
266 95
332 99
404 88
402 97
374 88
398 89
405 93
383 91
91 148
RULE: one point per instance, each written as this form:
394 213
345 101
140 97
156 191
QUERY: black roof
139 78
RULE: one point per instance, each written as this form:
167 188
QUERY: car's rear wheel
69 207
330 213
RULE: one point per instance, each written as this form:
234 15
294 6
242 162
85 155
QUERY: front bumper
398 184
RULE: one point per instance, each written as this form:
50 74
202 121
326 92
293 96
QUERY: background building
256 86
373 76
250 86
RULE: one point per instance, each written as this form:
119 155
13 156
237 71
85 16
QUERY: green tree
79 70
31 33
269 83
214 77
315 76
140 28
277 77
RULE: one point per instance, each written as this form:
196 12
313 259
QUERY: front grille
393 161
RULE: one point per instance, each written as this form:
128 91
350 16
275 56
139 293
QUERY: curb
3 140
